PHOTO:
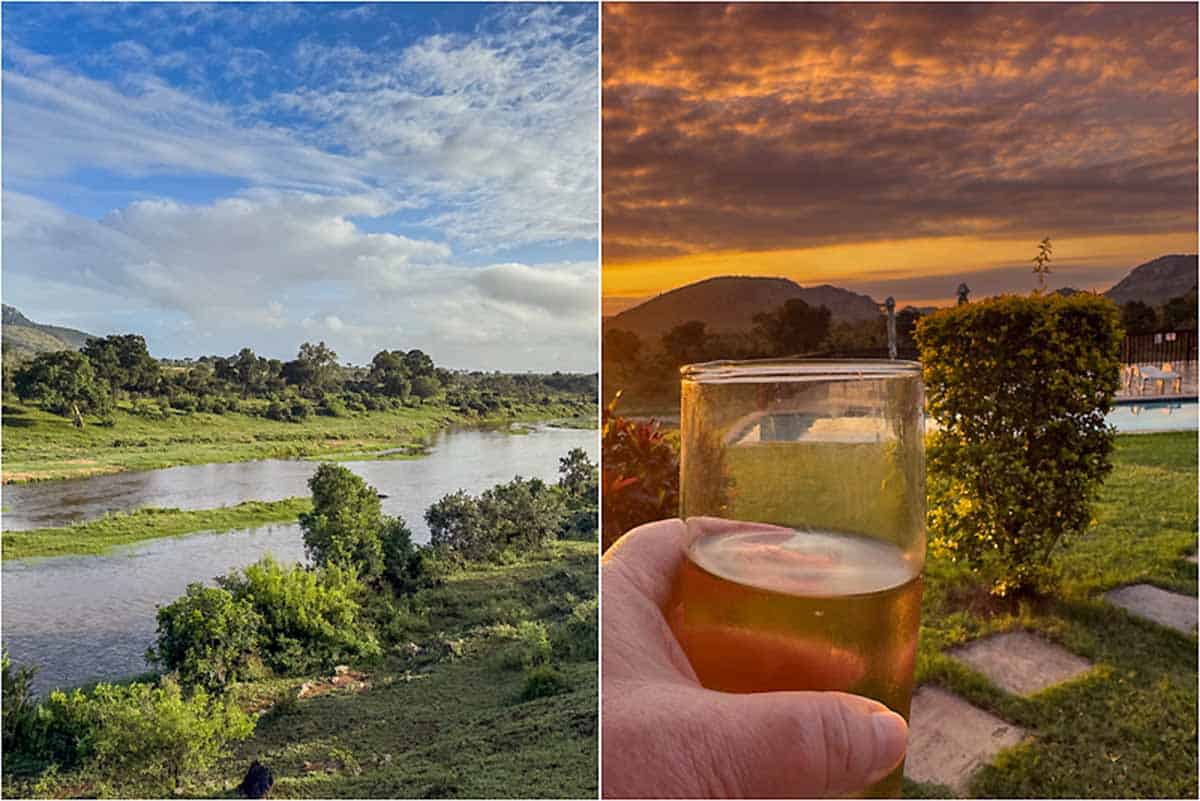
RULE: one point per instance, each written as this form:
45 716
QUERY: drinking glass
802 484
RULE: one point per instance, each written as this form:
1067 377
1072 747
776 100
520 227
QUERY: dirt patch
343 678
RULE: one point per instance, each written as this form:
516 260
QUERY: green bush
639 474
578 637
18 709
207 637
1020 387
147 740
311 619
523 515
543 681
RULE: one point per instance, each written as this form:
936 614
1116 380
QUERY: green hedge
1020 387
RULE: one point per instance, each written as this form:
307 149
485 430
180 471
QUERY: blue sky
373 175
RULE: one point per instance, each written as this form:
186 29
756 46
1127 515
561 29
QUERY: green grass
98 536
448 722
40 446
1128 728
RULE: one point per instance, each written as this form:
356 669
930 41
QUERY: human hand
664 735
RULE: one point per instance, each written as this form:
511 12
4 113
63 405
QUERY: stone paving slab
1166 608
1021 663
948 739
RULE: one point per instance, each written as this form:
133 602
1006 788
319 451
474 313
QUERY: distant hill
1156 282
729 303
22 337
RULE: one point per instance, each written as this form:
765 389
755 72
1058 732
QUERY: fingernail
891 736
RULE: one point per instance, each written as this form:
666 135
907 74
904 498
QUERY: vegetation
1177 314
267 623
98 536
1020 387
519 516
1126 729
39 445
640 467
142 738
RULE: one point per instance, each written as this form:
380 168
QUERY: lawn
39 445
97 536
1128 728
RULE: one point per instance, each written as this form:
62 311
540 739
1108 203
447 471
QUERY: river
92 617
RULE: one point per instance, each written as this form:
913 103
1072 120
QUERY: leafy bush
640 474
579 482
521 515
529 646
1020 387
543 681
18 708
310 618
147 739
578 637
207 637
331 406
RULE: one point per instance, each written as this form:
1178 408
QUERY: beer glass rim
797 369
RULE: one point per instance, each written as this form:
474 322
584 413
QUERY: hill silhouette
23 338
1156 282
729 303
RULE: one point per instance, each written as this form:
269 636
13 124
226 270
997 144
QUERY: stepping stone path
1021 663
1165 608
949 739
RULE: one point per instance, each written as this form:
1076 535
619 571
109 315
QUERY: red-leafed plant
639 474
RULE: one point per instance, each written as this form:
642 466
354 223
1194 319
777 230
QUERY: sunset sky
895 149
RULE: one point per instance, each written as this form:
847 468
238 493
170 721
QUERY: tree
621 346
1138 318
418 364
123 362
685 343
207 637
345 523
456 525
63 382
314 370
794 327
425 386
389 374
1179 313
577 474
1041 263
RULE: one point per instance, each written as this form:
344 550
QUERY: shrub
331 406
18 709
345 523
207 637
578 637
147 739
522 515
543 681
1020 387
530 645
311 618
639 474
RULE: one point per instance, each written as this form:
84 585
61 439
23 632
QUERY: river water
92 617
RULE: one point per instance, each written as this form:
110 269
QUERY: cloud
273 268
761 126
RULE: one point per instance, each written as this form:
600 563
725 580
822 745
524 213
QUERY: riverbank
39 446
446 713
98 536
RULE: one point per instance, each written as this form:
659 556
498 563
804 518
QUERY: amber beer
803 489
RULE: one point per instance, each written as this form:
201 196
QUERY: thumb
803 744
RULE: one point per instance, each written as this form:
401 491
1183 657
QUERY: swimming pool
1143 417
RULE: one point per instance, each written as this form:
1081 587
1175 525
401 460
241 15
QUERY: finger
803 744
648 558
676 742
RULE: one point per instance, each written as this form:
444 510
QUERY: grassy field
1128 728
40 446
98 536
448 721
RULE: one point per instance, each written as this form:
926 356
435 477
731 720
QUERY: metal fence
1160 348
